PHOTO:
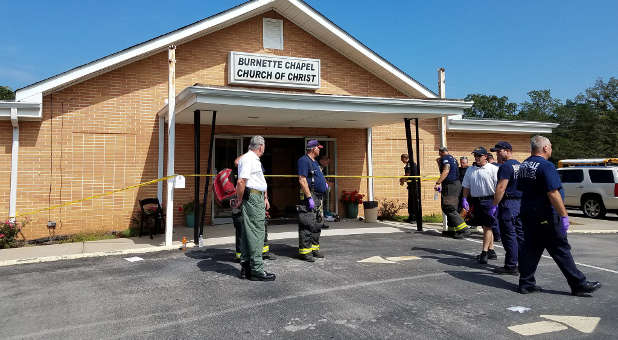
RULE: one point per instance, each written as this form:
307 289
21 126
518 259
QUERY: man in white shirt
479 183
253 200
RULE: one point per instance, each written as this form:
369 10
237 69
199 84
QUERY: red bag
223 187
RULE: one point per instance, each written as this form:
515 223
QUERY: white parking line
549 257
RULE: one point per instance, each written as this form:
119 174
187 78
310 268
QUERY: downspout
14 163
442 92
171 143
161 157
369 164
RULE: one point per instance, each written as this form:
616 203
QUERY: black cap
480 151
442 149
501 146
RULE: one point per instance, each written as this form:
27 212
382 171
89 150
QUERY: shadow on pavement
456 259
284 250
215 260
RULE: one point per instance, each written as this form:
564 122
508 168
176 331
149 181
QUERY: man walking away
450 186
313 188
506 203
408 171
545 221
480 184
253 201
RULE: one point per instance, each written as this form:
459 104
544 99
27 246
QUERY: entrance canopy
255 107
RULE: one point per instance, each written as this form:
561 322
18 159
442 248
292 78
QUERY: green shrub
388 209
9 231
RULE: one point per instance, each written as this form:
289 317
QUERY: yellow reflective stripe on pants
315 247
304 251
238 255
265 249
463 225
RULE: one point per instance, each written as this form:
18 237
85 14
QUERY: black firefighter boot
245 270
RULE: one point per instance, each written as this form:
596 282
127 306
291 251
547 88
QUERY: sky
503 48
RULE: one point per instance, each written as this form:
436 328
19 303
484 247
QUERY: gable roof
297 11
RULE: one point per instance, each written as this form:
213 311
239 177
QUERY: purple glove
465 204
493 210
564 224
326 185
311 203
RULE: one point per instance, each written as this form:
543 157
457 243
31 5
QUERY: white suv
593 189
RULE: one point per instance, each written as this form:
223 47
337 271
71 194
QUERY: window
601 176
571 176
273 33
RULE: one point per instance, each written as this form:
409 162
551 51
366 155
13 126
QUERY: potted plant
351 200
188 209
9 231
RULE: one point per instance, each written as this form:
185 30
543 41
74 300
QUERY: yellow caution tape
193 175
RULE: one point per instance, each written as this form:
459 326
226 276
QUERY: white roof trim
27 111
502 126
337 39
316 102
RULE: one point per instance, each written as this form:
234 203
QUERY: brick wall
101 134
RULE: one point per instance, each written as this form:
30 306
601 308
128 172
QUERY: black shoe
528 290
587 288
306 257
245 270
268 256
491 254
317 254
264 277
506 271
324 226
482 257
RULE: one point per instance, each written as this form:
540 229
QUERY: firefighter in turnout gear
313 188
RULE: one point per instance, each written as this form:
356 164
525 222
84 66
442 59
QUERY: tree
490 107
541 107
6 93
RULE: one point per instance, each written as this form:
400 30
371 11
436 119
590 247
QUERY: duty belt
257 192
484 198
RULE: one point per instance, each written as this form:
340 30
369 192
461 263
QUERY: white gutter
500 126
14 163
442 92
369 164
160 164
171 139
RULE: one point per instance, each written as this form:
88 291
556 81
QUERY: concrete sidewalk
224 234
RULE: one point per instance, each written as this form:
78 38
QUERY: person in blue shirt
545 221
506 205
450 187
313 188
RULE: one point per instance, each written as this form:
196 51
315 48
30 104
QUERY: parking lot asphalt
410 285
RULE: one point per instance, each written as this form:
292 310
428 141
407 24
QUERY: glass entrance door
225 152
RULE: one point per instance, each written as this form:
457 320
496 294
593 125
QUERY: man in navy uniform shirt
545 221
450 186
506 204
313 188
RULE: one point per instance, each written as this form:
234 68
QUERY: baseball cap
442 149
313 143
501 146
480 151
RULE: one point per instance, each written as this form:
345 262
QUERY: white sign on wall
273 71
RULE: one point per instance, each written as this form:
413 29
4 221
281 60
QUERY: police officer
313 188
450 186
506 204
545 221
408 170
480 184
252 198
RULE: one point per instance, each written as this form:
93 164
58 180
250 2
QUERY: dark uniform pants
308 228
542 233
253 218
237 219
511 231
450 201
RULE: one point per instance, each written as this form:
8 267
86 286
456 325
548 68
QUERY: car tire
593 207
